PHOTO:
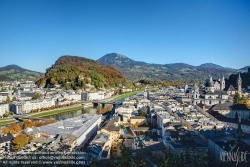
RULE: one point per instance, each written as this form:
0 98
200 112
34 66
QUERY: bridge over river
104 103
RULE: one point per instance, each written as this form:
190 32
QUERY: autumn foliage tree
28 124
67 69
36 96
104 110
19 141
15 128
5 130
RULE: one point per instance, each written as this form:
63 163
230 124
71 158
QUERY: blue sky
35 33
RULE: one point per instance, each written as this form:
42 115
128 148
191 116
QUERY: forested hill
135 70
14 72
245 77
73 72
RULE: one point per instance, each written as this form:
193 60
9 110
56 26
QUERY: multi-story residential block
162 118
124 110
3 108
101 140
27 106
90 96
111 127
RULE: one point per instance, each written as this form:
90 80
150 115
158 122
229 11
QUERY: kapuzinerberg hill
76 72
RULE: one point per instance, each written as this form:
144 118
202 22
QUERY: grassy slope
6 121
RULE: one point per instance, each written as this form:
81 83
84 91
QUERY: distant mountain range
14 72
135 70
67 69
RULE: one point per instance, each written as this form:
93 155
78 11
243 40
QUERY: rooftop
230 106
75 126
222 118
110 126
6 138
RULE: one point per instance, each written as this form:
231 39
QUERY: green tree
237 98
28 124
142 113
14 98
8 100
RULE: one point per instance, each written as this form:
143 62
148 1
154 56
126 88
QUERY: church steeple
222 83
239 82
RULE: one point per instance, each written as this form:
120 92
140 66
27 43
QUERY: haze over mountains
135 70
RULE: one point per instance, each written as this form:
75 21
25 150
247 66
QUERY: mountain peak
114 55
113 59
14 72
13 66
211 65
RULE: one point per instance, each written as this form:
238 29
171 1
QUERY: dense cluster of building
201 118
18 97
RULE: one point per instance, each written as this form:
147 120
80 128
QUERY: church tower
239 82
222 83
209 84
196 94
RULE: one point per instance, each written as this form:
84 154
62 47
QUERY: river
64 115
70 114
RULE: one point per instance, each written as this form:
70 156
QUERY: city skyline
35 34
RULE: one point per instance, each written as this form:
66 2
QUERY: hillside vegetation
14 72
245 77
73 72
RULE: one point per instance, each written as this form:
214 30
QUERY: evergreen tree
237 98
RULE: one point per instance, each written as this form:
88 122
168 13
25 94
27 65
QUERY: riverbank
55 111
6 121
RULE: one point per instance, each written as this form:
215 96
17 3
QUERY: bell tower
222 83
239 82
